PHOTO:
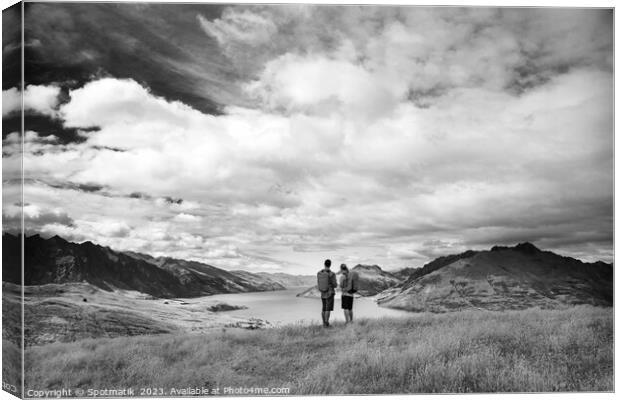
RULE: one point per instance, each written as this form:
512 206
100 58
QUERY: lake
283 307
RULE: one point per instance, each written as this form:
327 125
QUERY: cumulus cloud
392 172
41 99
35 217
109 102
11 101
327 86
395 136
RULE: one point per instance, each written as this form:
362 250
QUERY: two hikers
327 284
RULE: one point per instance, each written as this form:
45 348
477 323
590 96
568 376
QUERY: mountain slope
56 260
405 273
288 280
69 312
197 276
503 278
438 263
258 280
373 280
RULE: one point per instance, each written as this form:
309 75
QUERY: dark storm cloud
94 188
88 188
138 195
172 200
115 149
11 45
44 125
158 45
422 98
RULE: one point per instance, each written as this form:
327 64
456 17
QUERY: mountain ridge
56 260
503 278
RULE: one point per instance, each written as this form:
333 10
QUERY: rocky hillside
372 280
405 273
56 260
69 312
503 278
258 280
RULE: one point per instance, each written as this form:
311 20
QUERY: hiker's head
328 263
343 268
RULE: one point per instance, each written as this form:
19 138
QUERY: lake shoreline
75 311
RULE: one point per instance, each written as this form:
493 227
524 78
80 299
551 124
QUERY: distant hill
501 279
288 280
260 280
371 280
56 260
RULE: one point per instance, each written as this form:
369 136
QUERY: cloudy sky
268 138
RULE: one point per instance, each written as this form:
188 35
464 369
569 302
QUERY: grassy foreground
532 350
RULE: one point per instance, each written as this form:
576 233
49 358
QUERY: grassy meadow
11 367
475 351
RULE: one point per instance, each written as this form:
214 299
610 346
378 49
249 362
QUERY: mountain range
288 280
56 260
502 278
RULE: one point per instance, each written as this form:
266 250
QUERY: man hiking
348 284
326 281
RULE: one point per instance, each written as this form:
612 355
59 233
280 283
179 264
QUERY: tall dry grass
11 367
518 351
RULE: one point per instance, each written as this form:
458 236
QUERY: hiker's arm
334 282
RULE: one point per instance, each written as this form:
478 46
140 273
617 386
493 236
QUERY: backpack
323 281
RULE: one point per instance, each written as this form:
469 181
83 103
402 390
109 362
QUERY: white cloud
328 86
11 101
406 174
187 218
389 142
121 102
39 98
242 26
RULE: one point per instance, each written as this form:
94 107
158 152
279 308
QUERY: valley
85 291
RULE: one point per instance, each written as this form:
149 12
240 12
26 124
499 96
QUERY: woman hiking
348 285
